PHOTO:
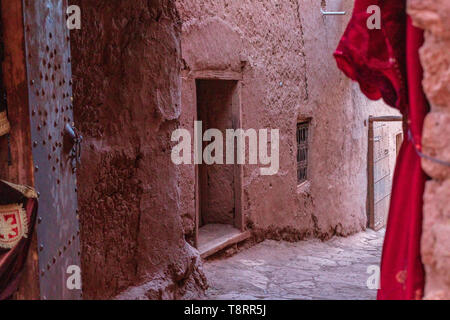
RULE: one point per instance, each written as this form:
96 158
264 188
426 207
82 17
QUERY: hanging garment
385 62
18 207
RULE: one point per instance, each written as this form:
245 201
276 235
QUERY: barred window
302 151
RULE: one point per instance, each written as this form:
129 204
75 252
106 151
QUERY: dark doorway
218 191
216 181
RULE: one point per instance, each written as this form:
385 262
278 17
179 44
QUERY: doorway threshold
215 237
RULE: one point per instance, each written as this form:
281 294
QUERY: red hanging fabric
402 273
376 58
386 64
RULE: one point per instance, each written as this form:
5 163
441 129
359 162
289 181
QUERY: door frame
370 168
239 221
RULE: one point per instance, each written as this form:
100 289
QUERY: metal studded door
54 145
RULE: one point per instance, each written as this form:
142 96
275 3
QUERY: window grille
302 151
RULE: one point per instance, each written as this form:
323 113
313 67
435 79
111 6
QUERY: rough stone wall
284 51
126 66
433 16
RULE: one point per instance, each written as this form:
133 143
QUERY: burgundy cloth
376 58
13 260
386 65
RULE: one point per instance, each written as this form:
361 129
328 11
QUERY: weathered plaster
136 206
283 49
127 62
433 16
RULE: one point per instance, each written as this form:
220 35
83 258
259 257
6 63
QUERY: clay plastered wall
434 17
126 63
284 51
338 184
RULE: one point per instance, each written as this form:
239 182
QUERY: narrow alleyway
336 269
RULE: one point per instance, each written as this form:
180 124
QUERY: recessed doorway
381 164
218 189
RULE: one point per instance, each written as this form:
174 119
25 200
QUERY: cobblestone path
335 269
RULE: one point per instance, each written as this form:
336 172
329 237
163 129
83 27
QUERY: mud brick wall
283 49
126 61
433 16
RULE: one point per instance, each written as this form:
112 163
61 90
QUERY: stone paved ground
336 269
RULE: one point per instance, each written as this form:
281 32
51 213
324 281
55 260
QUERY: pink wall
283 51
126 61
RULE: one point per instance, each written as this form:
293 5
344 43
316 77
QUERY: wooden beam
370 179
239 220
385 118
216 75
